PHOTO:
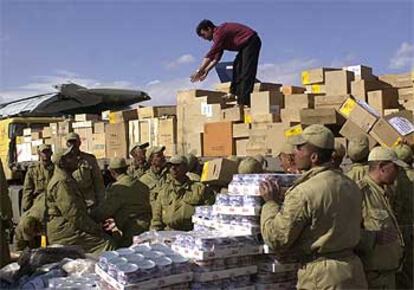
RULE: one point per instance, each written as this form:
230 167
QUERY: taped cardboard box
383 99
99 145
116 140
316 89
235 114
391 132
218 139
266 102
338 82
123 116
358 111
321 116
291 90
350 130
157 111
219 171
361 72
241 130
300 101
86 117
315 76
325 102
241 146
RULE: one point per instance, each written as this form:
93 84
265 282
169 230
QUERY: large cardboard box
116 140
27 132
325 102
241 130
393 131
383 99
290 115
47 132
241 146
338 82
321 116
54 128
167 135
268 102
24 152
275 137
86 117
350 130
403 80
358 111
257 141
291 90
219 171
360 88
361 72
99 145
218 139
261 87
300 101
64 127
85 135
193 144
235 114
99 127
406 94
123 116
158 111
36 135
315 76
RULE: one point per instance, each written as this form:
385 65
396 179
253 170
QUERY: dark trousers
245 70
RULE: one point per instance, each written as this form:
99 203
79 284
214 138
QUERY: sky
152 45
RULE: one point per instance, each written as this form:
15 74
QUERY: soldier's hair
373 165
324 155
204 25
120 171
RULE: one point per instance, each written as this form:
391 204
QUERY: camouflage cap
177 159
43 147
250 165
316 135
339 149
57 156
117 163
191 160
358 148
286 148
385 154
404 152
154 150
72 136
140 145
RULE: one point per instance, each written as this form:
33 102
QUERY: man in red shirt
232 37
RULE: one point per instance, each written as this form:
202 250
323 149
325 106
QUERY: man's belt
325 256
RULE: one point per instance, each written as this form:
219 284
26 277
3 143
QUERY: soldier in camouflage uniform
88 175
358 150
319 219
37 177
287 158
250 165
139 165
338 155
157 174
177 199
6 215
68 219
194 167
127 202
381 245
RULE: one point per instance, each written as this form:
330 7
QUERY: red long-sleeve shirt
229 36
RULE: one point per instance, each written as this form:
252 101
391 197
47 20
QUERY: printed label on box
347 107
206 110
294 131
305 78
402 125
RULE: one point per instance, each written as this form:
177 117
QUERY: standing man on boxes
358 150
319 219
139 165
37 177
88 175
381 245
127 202
177 199
232 37
157 174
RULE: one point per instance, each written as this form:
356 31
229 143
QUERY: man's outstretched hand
198 75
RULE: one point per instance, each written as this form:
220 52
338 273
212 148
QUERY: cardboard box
358 111
360 88
383 99
99 145
223 87
105 115
325 102
36 135
291 90
406 94
27 132
266 102
393 131
261 87
321 116
212 97
275 137
123 116
48 141
403 80
235 114
241 146
158 111
86 117
315 76
219 171
64 127
54 127
24 152
361 72
316 89
47 132
241 130
99 127
290 115
218 139
350 130
82 124
338 82
167 135
85 135
266 118
116 140
300 101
